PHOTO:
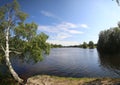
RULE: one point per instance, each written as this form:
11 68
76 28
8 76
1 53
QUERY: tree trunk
8 63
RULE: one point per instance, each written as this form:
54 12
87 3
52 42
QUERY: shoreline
54 80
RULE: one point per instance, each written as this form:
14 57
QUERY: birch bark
8 63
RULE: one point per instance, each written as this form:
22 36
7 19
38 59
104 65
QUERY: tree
84 45
109 41
91 44
19 38
118 1
56 46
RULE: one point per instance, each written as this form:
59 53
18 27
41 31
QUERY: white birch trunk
8 63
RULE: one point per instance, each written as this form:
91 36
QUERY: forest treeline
84 45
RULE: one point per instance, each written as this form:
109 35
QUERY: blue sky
70 22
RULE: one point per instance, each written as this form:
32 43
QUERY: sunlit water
70 62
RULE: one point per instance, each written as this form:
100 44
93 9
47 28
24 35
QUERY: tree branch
16 52
118 2
3 48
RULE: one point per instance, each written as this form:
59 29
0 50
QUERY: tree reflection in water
111 62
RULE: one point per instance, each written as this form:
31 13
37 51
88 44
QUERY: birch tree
18 37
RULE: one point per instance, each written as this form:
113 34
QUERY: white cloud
62 36
32 16
67 25
84 25
63 24
62 27
61 31
75 32
49 14
50 29
64 43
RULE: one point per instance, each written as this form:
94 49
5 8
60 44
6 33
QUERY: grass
6 79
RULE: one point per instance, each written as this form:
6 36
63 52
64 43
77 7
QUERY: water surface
70 62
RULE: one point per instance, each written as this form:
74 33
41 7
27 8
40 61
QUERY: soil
53 80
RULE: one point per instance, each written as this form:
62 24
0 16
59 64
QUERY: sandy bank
53 80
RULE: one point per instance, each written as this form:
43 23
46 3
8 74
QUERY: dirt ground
52 80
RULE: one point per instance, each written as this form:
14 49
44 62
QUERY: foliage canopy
109 41
23 36
91 44
19 37
84 45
